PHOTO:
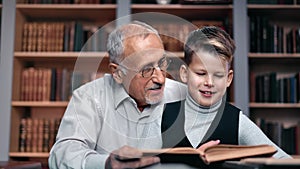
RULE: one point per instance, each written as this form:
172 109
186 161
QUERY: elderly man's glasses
147 71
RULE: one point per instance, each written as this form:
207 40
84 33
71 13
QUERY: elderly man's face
142 53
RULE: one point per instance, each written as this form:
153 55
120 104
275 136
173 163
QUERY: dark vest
224 127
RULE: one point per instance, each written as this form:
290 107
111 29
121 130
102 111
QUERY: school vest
224 127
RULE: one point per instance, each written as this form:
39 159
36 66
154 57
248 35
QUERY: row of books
79 36
268 36
275 87
174 35
59 36
286 137
52 84
37 135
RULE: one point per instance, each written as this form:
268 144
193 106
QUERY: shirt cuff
94 160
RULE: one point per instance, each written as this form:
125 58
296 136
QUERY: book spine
29 135
22 138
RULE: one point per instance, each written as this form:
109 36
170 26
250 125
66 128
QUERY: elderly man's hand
129 157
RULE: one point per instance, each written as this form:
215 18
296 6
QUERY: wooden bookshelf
274 105
45 104
274 55
102 14
31 155
20 164
98 14
90 14
279 60
61 56
273 6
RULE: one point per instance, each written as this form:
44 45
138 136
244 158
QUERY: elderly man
109 116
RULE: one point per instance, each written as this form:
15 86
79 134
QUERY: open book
216 153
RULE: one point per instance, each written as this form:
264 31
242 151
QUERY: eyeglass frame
142 71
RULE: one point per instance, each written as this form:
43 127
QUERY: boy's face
207 78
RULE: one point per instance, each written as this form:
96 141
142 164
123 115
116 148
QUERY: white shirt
101 117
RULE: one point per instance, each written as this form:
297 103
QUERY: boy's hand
129 157
204 146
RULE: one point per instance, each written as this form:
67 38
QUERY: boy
207 116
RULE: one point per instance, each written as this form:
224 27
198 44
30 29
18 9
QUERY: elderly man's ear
116 73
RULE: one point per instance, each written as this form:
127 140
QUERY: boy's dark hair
209 39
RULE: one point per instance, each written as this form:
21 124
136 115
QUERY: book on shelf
52 84
212 154
287 137
37 135
22 136
297 79
275 87
84 36
173 34
60 36
202 23
271 36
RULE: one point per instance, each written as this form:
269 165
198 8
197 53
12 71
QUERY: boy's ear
229 78
183 72
116 73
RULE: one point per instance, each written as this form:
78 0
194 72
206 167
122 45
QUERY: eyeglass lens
162 65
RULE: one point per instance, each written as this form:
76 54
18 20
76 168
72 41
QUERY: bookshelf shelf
39 103
274 55
273 6
32 155
62 56
274 105
88 12
59 54
70 55
181 7
199 11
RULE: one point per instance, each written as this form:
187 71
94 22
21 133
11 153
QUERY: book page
224 152
177 150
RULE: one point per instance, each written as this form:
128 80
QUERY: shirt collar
195 107
119 93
